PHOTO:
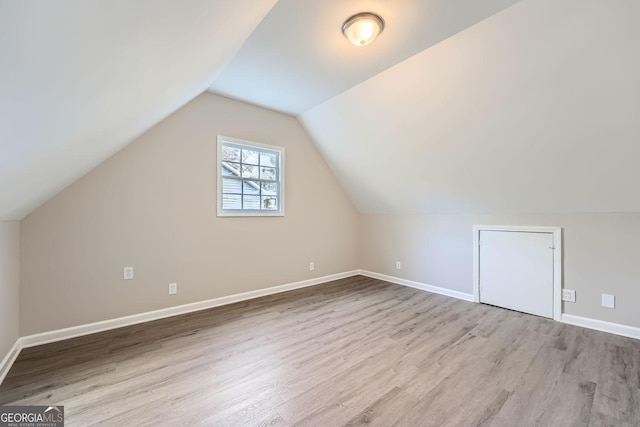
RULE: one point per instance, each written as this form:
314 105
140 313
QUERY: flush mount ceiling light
363 28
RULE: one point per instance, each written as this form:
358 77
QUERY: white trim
601 325
105 325
418 285
8 360
557 259
76 331
585 322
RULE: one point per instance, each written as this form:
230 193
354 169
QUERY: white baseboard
105 325
8 360
601 325
585 322
418 285
76 331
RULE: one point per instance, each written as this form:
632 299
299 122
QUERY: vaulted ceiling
80 79
459 106
298 58
534 110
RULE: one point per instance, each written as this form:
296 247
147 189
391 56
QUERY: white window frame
256 213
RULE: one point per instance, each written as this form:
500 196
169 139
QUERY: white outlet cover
173 288
398 265
128 273
568 295
312 266
608 301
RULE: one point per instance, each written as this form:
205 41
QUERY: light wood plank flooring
353 352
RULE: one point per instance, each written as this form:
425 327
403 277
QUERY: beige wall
601 254
153 206
9 284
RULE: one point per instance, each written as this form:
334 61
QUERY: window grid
254 166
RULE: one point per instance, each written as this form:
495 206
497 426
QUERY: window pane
267 173
269 188
231 186
251 202
231 201
249 171
250 156
251 187
270 203
267 159
231 169
230 154
249 180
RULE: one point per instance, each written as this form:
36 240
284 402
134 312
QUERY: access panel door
516 271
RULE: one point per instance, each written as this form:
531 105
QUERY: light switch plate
608 301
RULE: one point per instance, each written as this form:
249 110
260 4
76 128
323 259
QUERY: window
250 178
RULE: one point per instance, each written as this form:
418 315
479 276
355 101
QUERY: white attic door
516 270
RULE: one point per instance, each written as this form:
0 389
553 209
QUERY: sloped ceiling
298 58
532 110
79 79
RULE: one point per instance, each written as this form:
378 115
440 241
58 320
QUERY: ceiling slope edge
98 75
530 110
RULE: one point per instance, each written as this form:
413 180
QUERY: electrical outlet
312 266
568 295
173 288
128 273
608 301
398 265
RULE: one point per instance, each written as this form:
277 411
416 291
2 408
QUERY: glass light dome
363 28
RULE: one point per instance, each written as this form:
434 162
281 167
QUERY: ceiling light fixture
363 28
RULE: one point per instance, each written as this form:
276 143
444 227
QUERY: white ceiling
79 79
532 110
298 58
484 106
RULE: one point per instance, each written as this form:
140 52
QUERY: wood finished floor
357 351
